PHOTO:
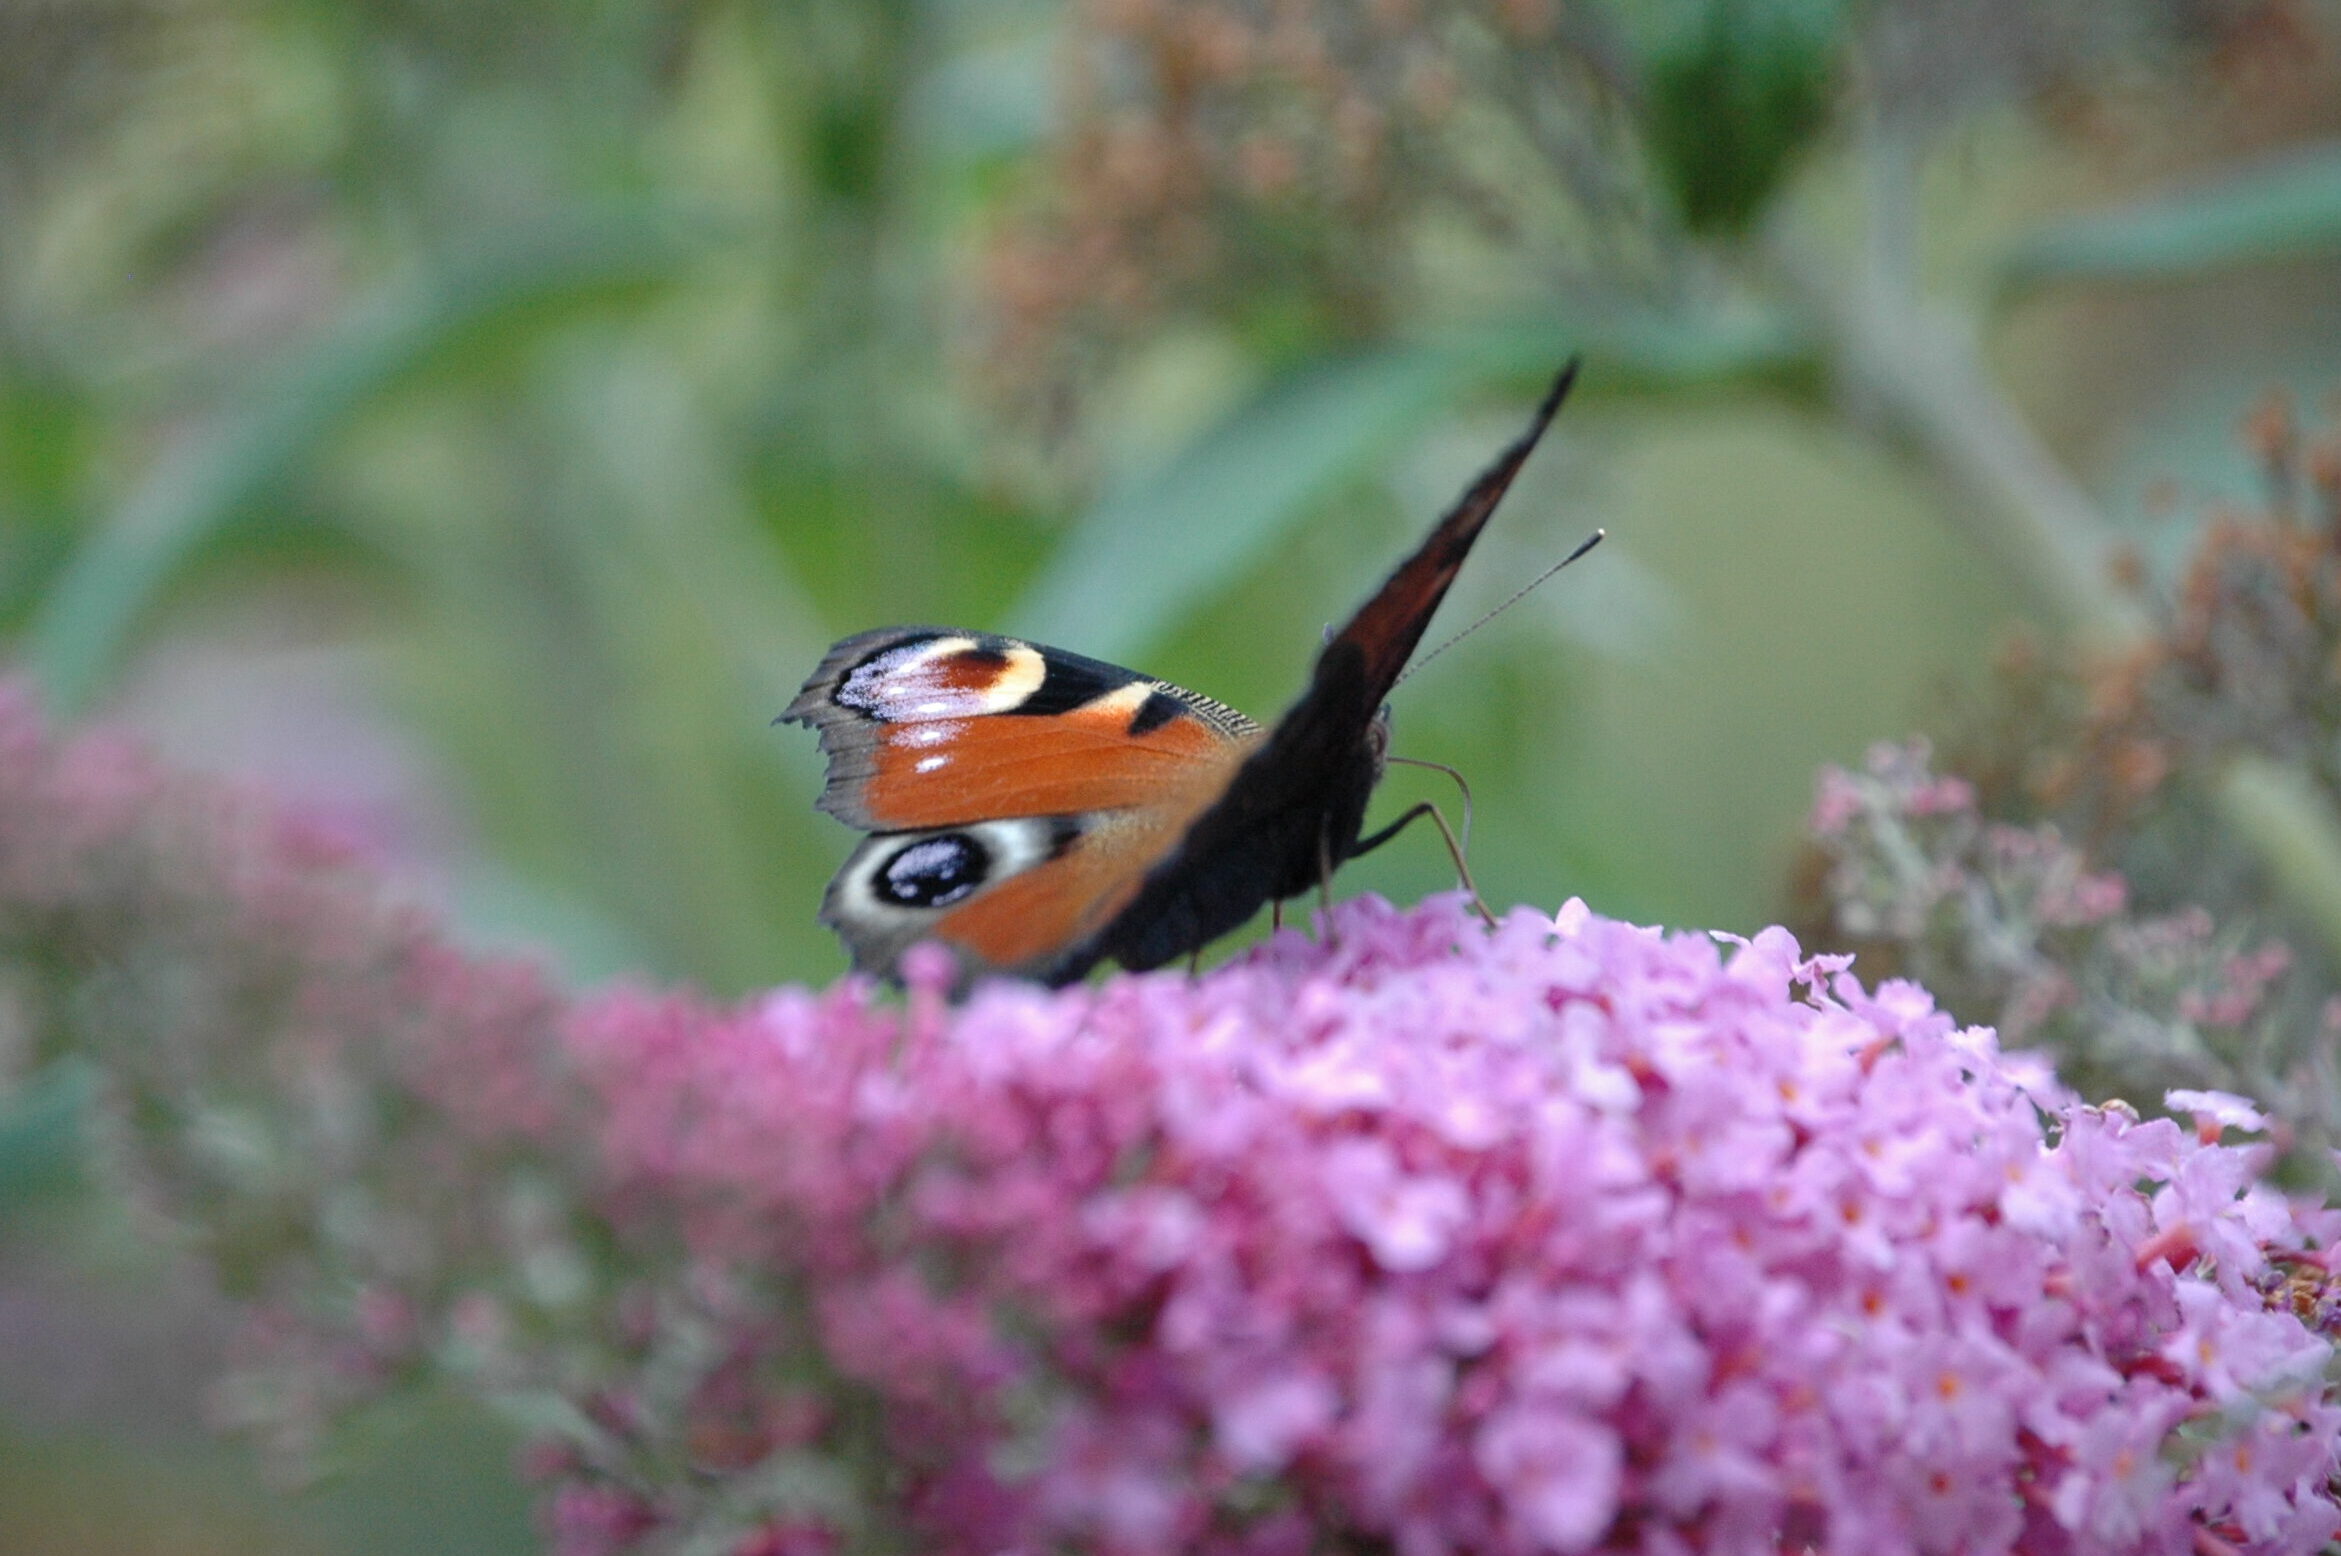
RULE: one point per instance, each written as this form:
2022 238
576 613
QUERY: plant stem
2289 824
1916 380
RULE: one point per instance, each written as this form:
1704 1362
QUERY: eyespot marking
932 872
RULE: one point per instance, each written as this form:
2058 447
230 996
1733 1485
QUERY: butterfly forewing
926 727
1387 627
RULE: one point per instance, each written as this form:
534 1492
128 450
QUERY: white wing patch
928 679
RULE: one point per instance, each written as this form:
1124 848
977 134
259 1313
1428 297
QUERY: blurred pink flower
1568 1236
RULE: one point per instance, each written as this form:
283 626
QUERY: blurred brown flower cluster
1282 154
2246 657
1318 172
1930 60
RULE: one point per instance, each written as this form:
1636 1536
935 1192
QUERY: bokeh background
468 423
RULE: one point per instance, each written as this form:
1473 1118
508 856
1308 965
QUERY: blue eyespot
933 872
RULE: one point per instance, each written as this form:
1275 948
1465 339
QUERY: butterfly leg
1195 963
1325 885
1446 834
1275 916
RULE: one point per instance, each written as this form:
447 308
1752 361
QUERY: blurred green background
470 422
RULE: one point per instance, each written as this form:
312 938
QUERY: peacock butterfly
1039 812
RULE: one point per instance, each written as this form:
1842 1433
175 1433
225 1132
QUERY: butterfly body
1039 812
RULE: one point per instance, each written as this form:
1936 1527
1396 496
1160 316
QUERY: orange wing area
931 727
950 772
1028 922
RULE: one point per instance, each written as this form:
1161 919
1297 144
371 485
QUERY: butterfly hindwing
1009 896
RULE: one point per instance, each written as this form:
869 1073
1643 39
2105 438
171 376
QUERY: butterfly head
1378 740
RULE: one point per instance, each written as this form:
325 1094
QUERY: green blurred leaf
1151 553
1737 88
497 299
425 1474
41 1134
1647 351
1222 501
2279 210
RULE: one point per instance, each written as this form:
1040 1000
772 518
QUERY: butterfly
1038 812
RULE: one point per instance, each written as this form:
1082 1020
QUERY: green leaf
496 299
41 1127
1199 521
1196 524
2278 210
1736 89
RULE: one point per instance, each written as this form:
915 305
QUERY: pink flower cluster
1575 1236
1571 1236
2022 927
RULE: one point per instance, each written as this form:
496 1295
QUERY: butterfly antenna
1518 595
